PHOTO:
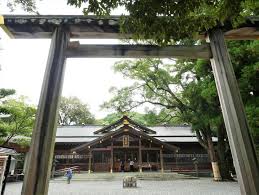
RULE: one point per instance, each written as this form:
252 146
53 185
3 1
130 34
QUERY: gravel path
203 186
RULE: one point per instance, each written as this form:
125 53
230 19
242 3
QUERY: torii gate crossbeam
61 28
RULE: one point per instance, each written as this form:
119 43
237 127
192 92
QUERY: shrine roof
130 131
80 134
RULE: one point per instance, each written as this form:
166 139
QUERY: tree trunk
205 139
213 160
224 165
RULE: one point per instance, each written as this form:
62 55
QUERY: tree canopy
26 5
6 92
17 121
164 21
73 111
149 118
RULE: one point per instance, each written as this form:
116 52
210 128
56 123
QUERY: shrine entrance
122 142
61 28
125 156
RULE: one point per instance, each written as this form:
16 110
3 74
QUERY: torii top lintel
30 26
42 26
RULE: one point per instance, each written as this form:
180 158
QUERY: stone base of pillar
89 171
111 171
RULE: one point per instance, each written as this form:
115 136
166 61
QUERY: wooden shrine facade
61 28
95 148
125 142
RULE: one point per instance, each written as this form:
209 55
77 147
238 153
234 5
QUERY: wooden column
90 161
5 173
240 140
92 165
38 170
111 157
139 155
3 159
102 157
162 160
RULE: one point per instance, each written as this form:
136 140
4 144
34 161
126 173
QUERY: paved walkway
203 186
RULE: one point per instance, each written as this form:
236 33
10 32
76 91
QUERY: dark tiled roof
7 151
86 133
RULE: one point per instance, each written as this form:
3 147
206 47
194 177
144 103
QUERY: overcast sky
23 64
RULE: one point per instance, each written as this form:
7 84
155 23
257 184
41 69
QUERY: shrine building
96 148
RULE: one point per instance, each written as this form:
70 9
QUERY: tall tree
73 111
18 120
187 88
169 86
245 58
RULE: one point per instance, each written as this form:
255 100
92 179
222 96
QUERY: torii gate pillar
240 140
36 181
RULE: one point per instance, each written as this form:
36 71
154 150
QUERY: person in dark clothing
131 166
122 166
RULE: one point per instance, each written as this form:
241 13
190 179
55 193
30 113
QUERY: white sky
23 64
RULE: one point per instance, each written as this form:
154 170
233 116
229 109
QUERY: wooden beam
94 27
101 149
138 51
111 157
150 148
245 33
162 160
38 169
130 147
140 156
240 140
90 160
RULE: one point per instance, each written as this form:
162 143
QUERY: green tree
73 111
26 5
162 21
6 92
149 118
3 113
169 86
187 90
245 58
18 120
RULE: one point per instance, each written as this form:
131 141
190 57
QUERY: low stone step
120 176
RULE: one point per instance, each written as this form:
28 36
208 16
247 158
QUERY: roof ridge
87 125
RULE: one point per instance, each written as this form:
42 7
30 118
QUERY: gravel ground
203 186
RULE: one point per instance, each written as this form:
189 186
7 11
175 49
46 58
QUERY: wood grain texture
139 155
39 165
240 140
139 51
93 27
162 160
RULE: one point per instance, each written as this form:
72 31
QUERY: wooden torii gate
61 28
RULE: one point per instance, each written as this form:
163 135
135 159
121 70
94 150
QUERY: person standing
69 175
122 166
131 166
